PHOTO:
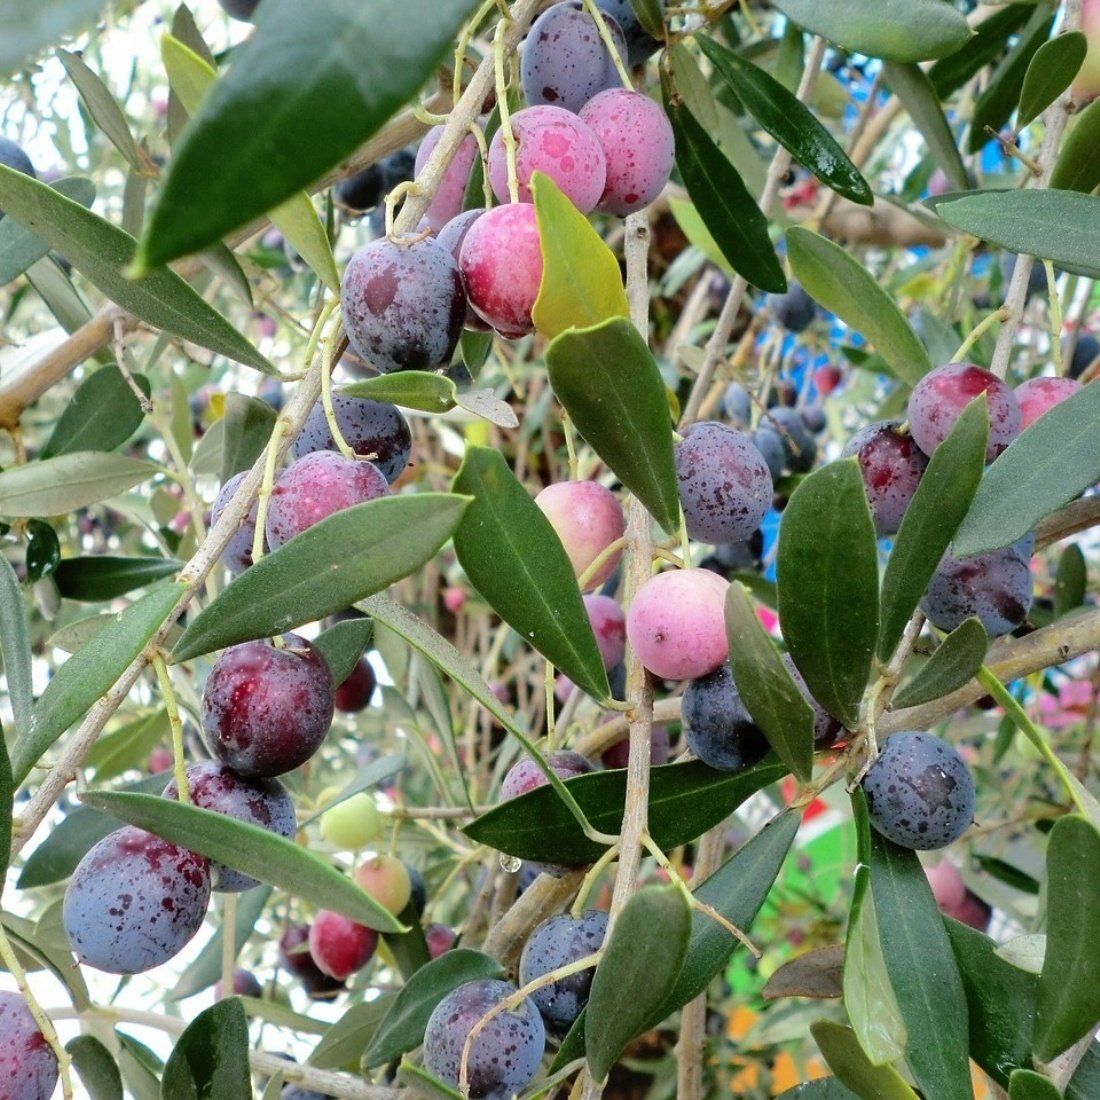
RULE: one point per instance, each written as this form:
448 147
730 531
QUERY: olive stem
512 1002
168 694
609 42
1024 724
42 1019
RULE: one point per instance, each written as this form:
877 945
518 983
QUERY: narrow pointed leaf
642 960
342 645
766 687
346 557
63 484
1062 226
923 972
998 99
789 121
841 1050
90 673
1001 1005
932 520
815 974
342 1045
868 995
1049 74
902 30
729 212
402 1029
869 998
1043 468
105 578
1068 1002
684 801
7 795
953 665
15 647
990 40
310 85
250 849
191 77
409 949
102 252
104 109
102 414
737 890
55 859
910 83
127 747
1000 1002
248 422
1026 1084
828 586
581 285
824 1088
608 381
20 248
515 559
210 1059
1071 581
844 286
460 668
650 16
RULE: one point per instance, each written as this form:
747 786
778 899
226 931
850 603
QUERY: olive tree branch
636 570
1008 660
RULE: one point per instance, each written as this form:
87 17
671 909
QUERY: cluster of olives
607 149
135 900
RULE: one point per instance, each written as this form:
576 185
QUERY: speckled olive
555 943
725 485
370 428
134 902
265 711
920 793
264 803
504 1056
403 304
